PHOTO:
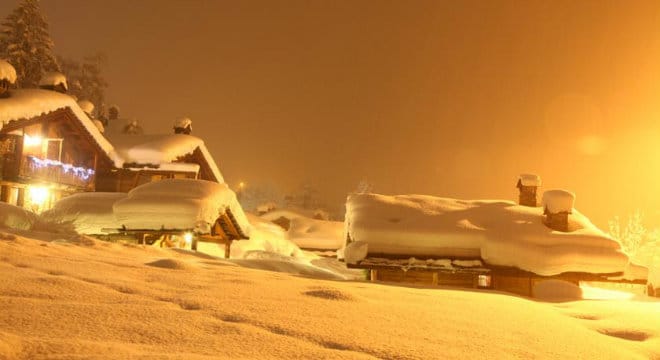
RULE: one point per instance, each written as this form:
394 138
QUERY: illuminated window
484 281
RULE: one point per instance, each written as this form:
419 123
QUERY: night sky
444 98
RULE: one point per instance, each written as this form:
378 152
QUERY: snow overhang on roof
31 103
501 233
159 150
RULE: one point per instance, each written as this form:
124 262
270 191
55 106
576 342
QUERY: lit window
484 281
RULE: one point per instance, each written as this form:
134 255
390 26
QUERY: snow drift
499 232
89 213
310 233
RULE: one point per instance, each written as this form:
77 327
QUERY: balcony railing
33 168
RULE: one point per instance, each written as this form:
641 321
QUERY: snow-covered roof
161 149
7 72
499 232
178 204
120 148
530 180
53 78
556 201
88 213
30 103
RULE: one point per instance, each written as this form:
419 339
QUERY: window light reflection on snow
596 293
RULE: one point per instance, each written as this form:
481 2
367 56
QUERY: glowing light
32 140
595 293
188 237
241 185
38 195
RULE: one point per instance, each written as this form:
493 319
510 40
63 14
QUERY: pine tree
26 44
86 81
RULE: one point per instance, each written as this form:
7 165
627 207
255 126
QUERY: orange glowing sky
438 97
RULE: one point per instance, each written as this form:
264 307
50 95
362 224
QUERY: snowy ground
83 298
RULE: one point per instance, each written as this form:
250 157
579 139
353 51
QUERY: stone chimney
7 78
528 184
183 126
557 205
54 81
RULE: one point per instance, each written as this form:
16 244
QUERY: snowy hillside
94 299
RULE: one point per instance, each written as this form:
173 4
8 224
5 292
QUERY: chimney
557 205
528 184
54 81
113 112
183 126
7 78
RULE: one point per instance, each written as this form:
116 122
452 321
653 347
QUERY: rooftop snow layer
556 201
530 180
178 204
29 103
7 72
53 78
310 233
161 149
500 232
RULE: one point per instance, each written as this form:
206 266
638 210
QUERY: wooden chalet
48 149
183 157
387 268
453 233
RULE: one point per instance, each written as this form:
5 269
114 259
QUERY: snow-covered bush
14 217
641 244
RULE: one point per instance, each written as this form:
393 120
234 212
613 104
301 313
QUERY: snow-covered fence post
557 205
528 184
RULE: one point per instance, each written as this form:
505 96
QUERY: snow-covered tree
26 44
632 235
86 80
364 187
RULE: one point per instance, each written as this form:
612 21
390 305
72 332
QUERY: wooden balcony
35 169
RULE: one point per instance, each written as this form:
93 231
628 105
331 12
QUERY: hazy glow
188 237
32 140
595 293
591 145
38 194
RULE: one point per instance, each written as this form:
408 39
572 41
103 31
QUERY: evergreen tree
86 81
26 44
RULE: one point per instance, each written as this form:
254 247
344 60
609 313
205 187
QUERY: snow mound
264 236
14 217
556 201
356 252
169 264
498 232
89 213
183 123
7 72
530 180
178 204
99 125
54 78
86 106
310 233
